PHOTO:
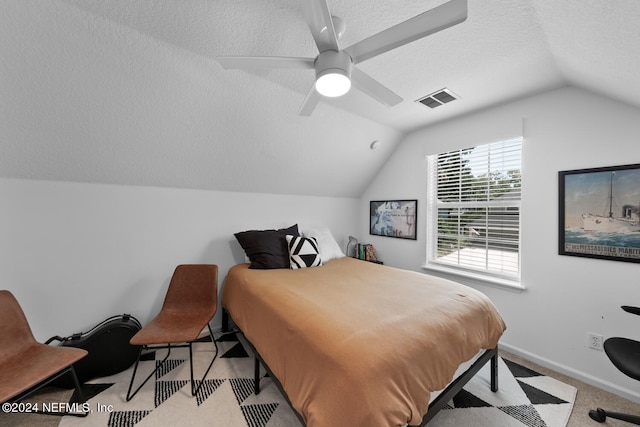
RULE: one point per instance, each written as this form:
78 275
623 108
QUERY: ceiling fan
334 67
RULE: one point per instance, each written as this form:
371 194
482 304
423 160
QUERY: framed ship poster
393 218
600 213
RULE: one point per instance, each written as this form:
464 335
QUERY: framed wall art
393 218
599 213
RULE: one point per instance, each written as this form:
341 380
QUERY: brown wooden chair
189 305
27 365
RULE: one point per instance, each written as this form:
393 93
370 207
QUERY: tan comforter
359 344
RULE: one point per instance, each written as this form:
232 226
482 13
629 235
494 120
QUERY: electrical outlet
595 341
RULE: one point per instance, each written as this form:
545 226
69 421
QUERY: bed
362 344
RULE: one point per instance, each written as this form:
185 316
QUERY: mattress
359 343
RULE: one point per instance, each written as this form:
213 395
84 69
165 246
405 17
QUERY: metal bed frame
488 356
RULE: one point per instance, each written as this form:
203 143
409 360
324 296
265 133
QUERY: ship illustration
629 221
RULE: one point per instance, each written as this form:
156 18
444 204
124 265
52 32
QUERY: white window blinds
474 209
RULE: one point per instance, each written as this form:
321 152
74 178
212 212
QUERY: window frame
483 275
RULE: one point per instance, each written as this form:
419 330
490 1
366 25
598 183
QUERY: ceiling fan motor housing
331 62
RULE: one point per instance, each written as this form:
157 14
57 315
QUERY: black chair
624 353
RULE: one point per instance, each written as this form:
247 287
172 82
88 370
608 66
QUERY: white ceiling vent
438 98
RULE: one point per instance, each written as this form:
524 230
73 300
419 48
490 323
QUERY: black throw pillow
267 249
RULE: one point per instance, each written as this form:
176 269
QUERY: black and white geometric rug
525 398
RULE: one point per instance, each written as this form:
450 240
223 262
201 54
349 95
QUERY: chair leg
79 406
600 415
135 369
195 390
81 398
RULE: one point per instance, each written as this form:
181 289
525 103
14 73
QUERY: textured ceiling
128 92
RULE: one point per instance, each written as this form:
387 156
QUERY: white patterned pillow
303 252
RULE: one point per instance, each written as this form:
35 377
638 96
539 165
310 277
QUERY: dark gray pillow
267 249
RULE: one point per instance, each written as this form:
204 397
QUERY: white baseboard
634 396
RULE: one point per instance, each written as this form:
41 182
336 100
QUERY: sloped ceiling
129 92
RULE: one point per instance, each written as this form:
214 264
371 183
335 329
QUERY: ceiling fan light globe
333 84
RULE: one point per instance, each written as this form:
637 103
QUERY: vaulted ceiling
129 92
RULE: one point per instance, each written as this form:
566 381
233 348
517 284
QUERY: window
474 211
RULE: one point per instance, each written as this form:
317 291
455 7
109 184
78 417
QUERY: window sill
475 278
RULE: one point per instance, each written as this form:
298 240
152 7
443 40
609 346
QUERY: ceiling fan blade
320 23
367 84
263 62
429 22
310 102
